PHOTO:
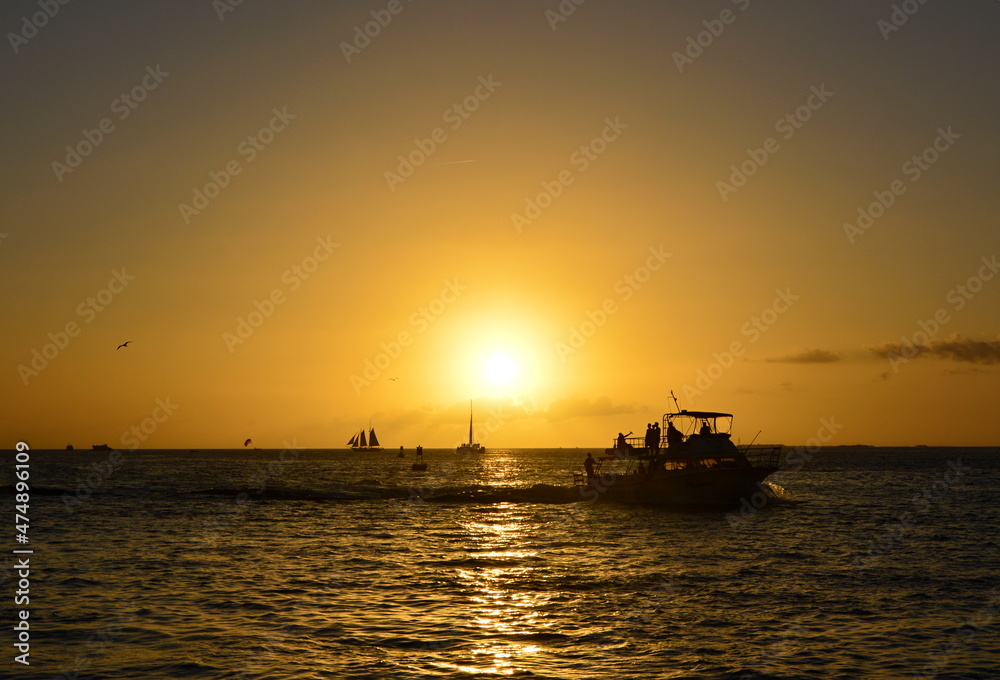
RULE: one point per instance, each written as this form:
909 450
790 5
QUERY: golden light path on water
498 611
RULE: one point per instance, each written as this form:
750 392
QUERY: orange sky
282 216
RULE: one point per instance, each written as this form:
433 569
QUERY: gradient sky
818 314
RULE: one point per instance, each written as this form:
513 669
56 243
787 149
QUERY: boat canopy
696 422
701 414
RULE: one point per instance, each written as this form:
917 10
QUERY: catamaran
694 463
470 446
361 443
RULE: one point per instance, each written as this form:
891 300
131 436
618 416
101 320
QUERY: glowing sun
501 369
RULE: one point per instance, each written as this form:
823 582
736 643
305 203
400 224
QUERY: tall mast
470 422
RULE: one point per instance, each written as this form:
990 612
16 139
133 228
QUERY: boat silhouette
470 446
360 442
695 463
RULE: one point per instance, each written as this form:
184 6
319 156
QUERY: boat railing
763 455
637 443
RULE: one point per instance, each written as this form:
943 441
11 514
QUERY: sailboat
359 442
470 446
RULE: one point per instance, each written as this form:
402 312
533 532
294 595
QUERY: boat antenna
676 405
752 441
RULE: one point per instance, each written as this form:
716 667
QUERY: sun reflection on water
503 614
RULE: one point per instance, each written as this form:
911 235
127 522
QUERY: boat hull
717 488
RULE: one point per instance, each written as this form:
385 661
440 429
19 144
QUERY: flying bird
391 379
124 344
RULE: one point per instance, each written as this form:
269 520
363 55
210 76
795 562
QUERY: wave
538 493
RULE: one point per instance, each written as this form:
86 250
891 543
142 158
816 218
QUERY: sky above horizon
310 216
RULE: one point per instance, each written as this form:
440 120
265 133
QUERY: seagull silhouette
391 379
124 344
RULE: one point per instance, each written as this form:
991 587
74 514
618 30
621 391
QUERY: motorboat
693 462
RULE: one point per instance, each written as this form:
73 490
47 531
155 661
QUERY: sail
373 440
354 441
361 442
470 423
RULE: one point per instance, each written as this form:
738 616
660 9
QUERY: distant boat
100 447
359 442
470 446
69 447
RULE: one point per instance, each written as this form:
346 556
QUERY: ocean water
860 563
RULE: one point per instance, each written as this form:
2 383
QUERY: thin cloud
808 356
955 348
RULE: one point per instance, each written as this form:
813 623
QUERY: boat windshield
699 422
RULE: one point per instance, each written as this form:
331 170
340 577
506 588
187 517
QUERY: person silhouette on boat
622 444
588 465
674 436
649 436
654 438
705 428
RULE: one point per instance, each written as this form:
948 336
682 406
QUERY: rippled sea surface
867 563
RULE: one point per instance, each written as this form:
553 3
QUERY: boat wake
778 495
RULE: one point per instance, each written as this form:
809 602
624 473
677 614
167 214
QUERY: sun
500 369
